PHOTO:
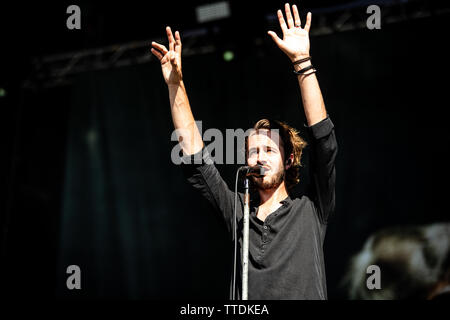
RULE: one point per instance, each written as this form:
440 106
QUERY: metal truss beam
60 69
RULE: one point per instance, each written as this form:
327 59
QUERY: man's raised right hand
170 59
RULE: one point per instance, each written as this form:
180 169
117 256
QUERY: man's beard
274 182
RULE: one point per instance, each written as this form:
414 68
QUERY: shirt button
263 246
265 233
265 227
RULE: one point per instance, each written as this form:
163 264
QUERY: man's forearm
183 120
312 99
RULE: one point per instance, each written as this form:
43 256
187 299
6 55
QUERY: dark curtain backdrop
137 229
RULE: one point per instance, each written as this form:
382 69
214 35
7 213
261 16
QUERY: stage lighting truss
61 69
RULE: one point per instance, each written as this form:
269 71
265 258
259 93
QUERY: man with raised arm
286 235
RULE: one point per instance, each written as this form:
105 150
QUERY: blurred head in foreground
414 263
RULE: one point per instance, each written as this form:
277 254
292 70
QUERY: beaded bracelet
301 60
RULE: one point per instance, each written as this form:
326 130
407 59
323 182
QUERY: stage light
228 55
214 11
2 92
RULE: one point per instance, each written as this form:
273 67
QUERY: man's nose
262 157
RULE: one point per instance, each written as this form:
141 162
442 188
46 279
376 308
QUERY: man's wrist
299 57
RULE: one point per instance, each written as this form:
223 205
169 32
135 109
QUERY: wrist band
301 60
302 71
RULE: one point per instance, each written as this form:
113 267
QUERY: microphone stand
245 240
245 232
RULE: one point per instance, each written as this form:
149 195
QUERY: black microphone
257 170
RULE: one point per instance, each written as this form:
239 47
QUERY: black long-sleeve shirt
286 250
